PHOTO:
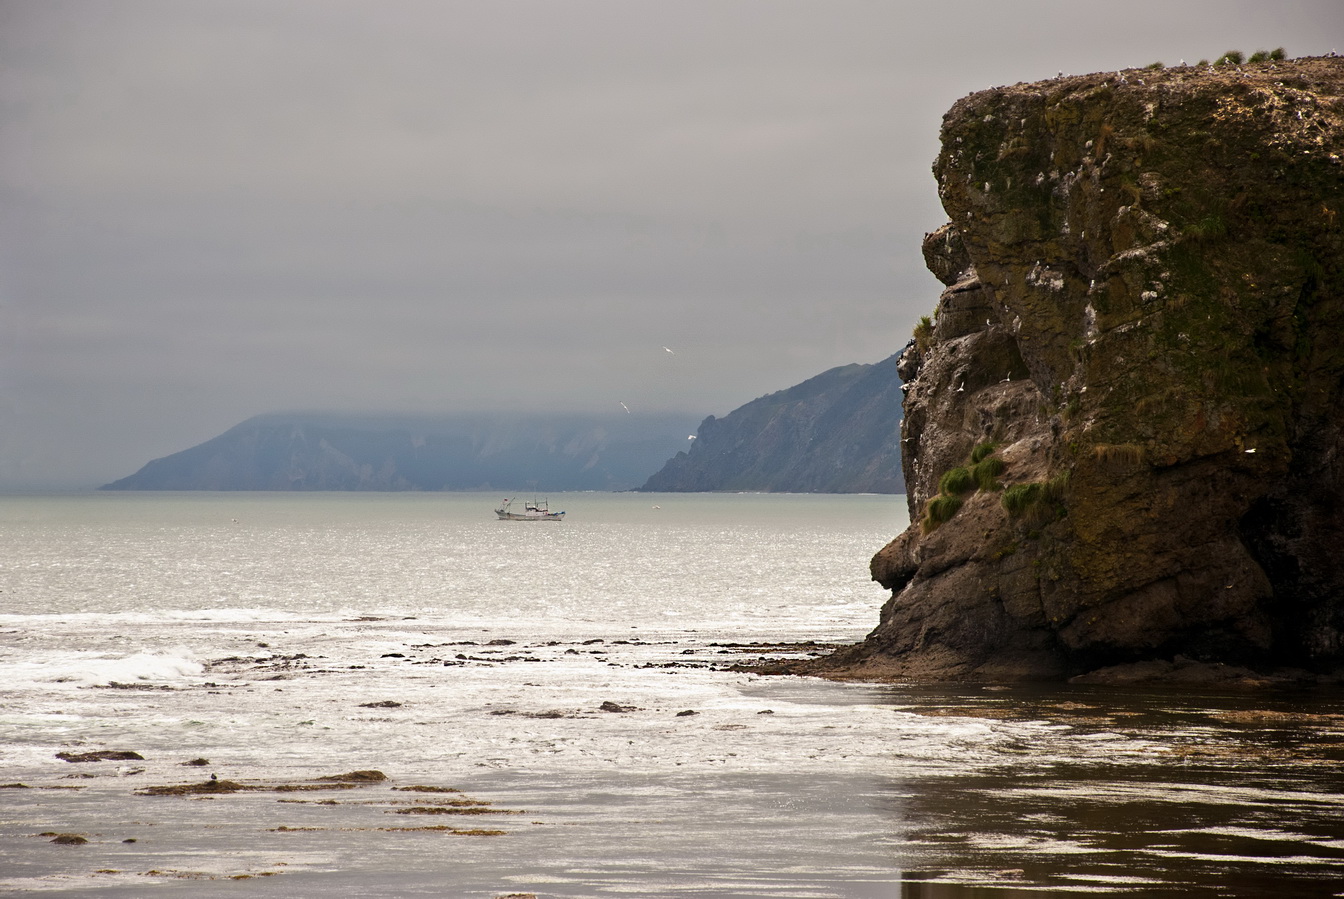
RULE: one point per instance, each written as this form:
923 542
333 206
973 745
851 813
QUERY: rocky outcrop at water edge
1124 425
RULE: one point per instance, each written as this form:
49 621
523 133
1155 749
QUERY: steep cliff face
1134 377
830 434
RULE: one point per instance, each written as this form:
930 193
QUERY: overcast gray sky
211 209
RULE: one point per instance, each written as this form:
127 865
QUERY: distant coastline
837 432
297 452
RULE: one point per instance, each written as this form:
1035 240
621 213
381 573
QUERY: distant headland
464 452
834 433
838 432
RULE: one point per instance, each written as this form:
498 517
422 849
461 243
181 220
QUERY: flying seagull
669 351
625 407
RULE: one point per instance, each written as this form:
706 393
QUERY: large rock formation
1141 344
830 434
465 452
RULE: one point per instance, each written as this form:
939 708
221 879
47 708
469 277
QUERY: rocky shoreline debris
430 800
348 781
101 755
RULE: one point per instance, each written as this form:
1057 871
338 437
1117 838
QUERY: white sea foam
158 617
95 668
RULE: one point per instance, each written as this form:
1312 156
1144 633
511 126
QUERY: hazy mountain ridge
466 452
838 432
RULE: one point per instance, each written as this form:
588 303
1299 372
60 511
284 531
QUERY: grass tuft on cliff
956 481
982 451
1209 227
938 510
1118 455
923 335
986 473
1038 502
1018 498
1236 57
981 473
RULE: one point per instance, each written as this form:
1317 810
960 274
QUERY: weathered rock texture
1145 313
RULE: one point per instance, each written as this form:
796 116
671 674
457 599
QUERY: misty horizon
218 209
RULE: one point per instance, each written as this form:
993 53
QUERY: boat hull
537 510
523 516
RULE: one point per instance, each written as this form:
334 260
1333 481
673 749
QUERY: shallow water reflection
1155 792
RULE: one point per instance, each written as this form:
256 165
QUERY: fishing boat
532 511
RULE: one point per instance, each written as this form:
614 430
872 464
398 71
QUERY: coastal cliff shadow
1153 792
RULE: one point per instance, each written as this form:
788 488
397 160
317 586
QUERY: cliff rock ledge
1124 431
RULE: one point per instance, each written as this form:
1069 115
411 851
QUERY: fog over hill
465 452
839 432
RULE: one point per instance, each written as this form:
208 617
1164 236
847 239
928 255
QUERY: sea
237 694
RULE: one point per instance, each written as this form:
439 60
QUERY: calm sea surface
553 711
